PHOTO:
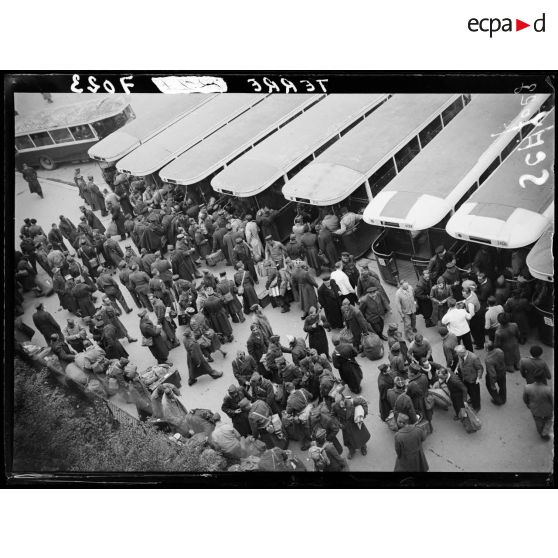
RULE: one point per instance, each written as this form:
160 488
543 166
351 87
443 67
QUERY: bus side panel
58 153
71 152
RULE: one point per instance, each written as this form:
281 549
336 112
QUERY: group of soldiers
304 389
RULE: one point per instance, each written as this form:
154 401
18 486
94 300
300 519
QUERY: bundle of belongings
153 376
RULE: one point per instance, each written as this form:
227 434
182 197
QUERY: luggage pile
154 376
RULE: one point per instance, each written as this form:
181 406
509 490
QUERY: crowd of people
308 387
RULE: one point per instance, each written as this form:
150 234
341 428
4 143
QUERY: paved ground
508 441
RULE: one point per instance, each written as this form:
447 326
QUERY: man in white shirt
341 279
491 317
456 320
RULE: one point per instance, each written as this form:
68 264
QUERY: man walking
538 397
531 365
407 307
30 176
470 370
106 284
495 373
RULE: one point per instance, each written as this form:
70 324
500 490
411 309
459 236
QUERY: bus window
381 177
351 126
358 200
449 114
430 131
493 166
23 142
407 154
299 167
466 196
360 194
325 146
83 132
108 125
61 136
42 138
511 146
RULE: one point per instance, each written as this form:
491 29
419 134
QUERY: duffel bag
45 284
440 397
213 259
372 346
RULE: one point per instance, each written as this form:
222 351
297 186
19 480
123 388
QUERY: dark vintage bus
66 133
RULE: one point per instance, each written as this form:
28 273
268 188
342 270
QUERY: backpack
319 457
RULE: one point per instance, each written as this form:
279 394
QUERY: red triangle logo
519 25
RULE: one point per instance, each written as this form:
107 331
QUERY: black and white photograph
263 272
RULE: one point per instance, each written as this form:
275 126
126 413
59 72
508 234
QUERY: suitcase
45 284
264 299
213 259
183 319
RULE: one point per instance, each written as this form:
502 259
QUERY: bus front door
387 263
359 240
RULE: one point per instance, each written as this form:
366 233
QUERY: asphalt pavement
508 441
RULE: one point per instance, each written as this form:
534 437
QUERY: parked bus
261 173
150 157
66 133
416 205
195 168
351 172
164 112
515 205
511 211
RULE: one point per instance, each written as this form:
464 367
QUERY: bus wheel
47 163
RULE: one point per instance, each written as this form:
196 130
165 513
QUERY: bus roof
231 140
343 167
540 259
70 115
504 212
272 158
161 149
429 187
165 110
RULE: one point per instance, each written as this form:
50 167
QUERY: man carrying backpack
324 455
